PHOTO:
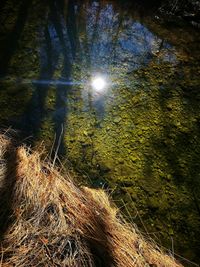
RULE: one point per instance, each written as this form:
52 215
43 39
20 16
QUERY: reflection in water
98 84
109 42
133 133
122 42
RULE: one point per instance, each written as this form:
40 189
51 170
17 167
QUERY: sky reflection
118 40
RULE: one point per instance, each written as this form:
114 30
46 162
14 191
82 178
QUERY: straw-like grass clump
46 220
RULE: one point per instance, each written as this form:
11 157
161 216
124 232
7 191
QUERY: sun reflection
98 83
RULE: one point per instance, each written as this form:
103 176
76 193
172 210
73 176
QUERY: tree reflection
59 45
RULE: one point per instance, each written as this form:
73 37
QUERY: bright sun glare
98 83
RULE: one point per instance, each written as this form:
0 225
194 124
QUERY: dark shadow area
98 243
8 169
2 4
11 42
145 7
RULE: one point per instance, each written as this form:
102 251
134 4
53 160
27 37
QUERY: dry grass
48 221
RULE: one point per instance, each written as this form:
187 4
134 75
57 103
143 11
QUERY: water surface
138 137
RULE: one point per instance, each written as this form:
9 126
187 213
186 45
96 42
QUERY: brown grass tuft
46 220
